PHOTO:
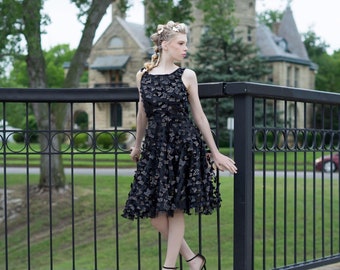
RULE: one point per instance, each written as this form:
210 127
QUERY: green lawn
106 218
60 241
294 198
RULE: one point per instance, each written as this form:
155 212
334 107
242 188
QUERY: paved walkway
329 267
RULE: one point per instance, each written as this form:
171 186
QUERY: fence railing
287 211
278 212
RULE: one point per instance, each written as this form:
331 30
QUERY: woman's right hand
135 153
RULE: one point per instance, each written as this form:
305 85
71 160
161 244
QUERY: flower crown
175 28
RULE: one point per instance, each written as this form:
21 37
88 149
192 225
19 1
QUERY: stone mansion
123 48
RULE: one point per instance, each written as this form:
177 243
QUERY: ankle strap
193 258
165 267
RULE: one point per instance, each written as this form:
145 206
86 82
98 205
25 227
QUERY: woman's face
177 47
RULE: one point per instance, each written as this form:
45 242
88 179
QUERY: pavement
329 267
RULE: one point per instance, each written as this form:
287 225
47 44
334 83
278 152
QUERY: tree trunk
51 166
79 61
53 117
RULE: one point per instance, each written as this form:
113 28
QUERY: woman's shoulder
189 79
140 73
189 74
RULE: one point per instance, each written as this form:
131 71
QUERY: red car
327 163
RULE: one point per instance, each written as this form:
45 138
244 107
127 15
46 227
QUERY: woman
174 175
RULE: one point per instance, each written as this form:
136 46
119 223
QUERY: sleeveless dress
173 171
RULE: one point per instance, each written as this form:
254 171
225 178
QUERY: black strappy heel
165 267
203 262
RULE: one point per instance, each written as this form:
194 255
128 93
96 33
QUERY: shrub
80 140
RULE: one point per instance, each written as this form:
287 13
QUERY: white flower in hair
175 28
160 29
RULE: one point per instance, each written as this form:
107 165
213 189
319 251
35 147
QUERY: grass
295 220
60 241
18 155
107 224
73 243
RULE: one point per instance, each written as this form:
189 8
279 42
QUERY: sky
320 16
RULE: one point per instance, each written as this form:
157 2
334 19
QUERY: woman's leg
161 223
176 227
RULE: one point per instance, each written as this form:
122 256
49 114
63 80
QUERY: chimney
116 11
275 28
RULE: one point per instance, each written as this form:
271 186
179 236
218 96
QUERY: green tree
18 77
160 12
327 77
222 56
21 23
314 44
270 17
55 58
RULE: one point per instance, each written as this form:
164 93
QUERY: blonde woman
174 175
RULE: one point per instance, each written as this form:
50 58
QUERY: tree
160 12
55 57
18 78
327 77
24 19
270 17
315 46
223 56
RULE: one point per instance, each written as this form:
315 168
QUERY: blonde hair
164 32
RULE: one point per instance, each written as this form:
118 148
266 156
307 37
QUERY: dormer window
116 43
282 43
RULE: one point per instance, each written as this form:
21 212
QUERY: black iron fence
278 212
287 211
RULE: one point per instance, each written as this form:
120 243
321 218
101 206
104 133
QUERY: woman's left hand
135 153
223 163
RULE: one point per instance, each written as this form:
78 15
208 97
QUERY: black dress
173 171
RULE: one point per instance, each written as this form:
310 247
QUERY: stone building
123 48
283 49
114 61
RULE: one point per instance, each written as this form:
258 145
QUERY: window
116 43
282 43
296 77
249 34
289 76
116 115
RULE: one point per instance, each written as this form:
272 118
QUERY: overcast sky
320 16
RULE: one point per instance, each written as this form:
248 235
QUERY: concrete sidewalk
329 267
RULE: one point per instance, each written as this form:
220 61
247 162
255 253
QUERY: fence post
243 183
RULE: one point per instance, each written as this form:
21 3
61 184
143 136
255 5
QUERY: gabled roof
286 45
134 30
115 62
137 33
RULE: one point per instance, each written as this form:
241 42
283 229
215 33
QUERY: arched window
116 43
116 115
